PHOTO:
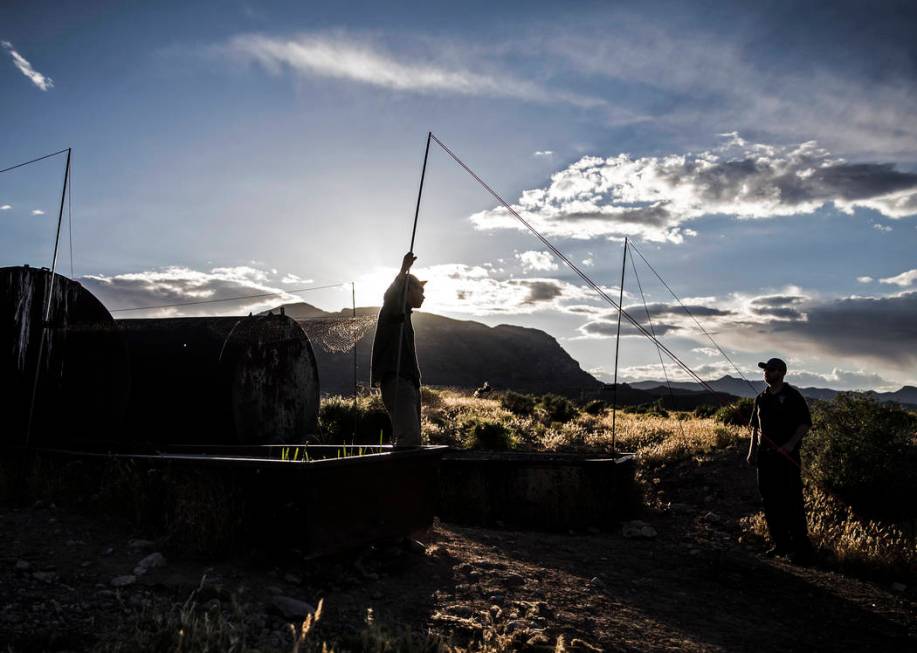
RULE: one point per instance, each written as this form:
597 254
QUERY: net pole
47 308
353 302
614 405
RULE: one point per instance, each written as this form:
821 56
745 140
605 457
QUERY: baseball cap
773 362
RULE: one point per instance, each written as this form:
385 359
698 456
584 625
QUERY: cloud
457 288
840 379
870 330
533 260
178 285
710 352
652 197
865 279
344 57
881 227
290 279
37 212
543 153
6 207
609 329
903 279
703 79
41 81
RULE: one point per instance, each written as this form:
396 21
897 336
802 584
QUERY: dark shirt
393 315
777 416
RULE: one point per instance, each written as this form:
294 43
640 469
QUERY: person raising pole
394 359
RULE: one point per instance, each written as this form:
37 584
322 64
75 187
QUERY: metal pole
614 405
404 289
47 309
353 299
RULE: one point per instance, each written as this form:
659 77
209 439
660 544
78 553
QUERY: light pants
406 419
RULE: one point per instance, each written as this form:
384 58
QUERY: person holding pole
394 358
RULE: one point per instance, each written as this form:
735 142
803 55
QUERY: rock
291 608
107 552
45 576
711 517
597 583
23 565
153 561
140 544
123 581
514 580
497 599
582 645
292 578
637 529
538 639
899 587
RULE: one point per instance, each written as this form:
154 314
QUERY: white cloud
881 227
711 352
290 278
341 56
652 197
41 81
178 285
904 279
6 207
840 379
865 279
37 212
588 261
456 288
534 260
543 153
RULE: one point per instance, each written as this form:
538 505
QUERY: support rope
594 286
41 158
691 315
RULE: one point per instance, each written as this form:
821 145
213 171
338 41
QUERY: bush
653 408
518 403
595 407
557 408
487 434
738 413
864 453
341 421
706 410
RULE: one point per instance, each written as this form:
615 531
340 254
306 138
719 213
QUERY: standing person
400 385
780 418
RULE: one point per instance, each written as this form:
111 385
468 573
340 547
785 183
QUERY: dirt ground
692 587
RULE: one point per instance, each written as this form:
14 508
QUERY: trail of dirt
691 588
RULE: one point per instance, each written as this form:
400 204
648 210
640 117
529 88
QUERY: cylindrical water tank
221 380
82 374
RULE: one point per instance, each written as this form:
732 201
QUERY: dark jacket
778 416
393 315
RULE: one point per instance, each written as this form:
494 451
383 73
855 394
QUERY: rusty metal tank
83 380
221 380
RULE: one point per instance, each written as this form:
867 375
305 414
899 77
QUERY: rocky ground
682 580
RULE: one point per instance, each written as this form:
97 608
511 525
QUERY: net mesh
339 334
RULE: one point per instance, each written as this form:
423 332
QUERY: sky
761 157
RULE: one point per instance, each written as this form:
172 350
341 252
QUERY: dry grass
653 438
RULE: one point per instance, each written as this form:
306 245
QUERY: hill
907 395
459 353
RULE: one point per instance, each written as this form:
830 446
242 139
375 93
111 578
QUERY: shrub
653 408
706 410
341 421
595 407
430 397
518 403
738 413
487 434
557 408
864 453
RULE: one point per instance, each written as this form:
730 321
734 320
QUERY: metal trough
552 492
237 498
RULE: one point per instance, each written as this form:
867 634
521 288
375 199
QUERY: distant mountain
907 395
458 353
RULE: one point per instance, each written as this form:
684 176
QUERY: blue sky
761 156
